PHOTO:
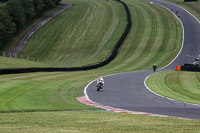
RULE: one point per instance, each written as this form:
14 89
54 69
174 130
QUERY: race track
128 91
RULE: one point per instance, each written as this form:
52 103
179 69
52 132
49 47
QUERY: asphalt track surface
128 90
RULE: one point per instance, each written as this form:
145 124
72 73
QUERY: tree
57 2
29 9
2 38
7 27
16 11
49 4
39 6
3 0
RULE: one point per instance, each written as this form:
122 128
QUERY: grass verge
43 91
6 62
90 122
182 86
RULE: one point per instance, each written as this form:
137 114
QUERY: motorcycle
99 86
154 68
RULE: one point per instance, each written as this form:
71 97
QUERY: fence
51 63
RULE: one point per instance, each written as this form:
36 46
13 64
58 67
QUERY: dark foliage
3 0
17 13
39 6
7 27
29 9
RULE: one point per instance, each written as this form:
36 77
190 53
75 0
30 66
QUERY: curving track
128 91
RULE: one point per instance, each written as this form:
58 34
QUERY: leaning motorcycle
99 86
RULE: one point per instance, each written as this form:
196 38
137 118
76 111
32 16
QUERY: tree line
18 13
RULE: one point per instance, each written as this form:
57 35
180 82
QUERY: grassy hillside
183 86
152 39
6 62
87 30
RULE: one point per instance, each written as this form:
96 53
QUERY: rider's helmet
101 79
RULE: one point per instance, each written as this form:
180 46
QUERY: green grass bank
87 30
179 85
90 122
71 39
152 39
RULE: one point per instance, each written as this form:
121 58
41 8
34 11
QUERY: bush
7 27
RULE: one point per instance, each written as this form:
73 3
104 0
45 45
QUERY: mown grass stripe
97 16
140 54
183 86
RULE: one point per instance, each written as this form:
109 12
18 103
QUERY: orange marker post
178 68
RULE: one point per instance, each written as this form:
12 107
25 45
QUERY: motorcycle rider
179 15
100 81
154 67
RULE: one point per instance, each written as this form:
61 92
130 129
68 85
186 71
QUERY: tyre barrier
89 67
190 0
190 67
